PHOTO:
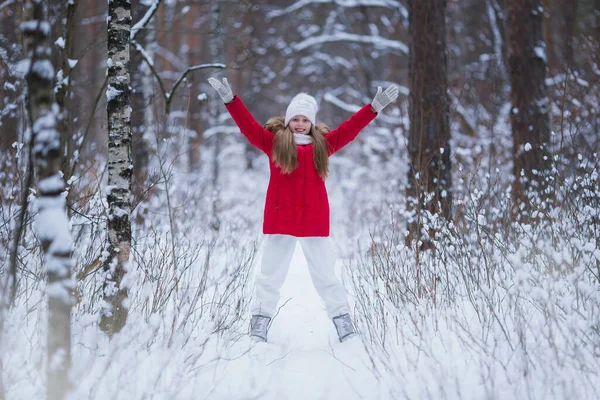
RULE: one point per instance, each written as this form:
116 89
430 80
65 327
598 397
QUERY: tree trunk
142 99
195 121
52 221
569 12
529 116
216 51
549 35
10 87
63 89
119 165
597 12
429 179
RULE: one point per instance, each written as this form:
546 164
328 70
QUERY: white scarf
302 140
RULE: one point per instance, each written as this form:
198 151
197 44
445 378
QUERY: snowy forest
465 217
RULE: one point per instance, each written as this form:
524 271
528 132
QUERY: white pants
320 257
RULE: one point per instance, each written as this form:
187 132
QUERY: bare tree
118 107
529 116
52 221
429 179
63 84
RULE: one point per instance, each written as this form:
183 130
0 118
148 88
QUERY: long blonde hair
284 149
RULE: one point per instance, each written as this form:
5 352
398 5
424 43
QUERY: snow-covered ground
504 310
303 359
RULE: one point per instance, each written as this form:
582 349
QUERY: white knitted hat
302 104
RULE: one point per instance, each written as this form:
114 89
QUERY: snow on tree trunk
429 179
52 222
118 108
529 116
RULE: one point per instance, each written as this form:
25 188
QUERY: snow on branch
469 124
221 129
341 3
145 19
352 108
35 25
168 96
377 41
6 4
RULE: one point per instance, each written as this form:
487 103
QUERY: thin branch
376 40
90 120
341 3
187 71
145 19
6 4
146 58
168 96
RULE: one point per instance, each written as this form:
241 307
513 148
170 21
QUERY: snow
526 335
72 63
43 68
51 184
496 32
145 19
22 67
540 52
297 5
60 290
377 41
119 212
46 136
53 225
147 56
109 188
112 93
303 359
506 312
9 87
60 42
34 25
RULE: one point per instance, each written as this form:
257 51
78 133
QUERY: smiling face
300 124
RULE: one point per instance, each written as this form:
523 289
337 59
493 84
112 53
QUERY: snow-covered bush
499 309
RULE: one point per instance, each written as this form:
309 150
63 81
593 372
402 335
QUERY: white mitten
223 89
382 99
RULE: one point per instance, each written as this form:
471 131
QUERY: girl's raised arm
257 135
349 129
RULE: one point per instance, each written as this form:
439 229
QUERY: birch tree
429 179
118 108
52 222
529 116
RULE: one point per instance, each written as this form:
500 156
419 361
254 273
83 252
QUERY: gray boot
259 325
344 327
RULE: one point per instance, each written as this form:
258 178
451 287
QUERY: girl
296 206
